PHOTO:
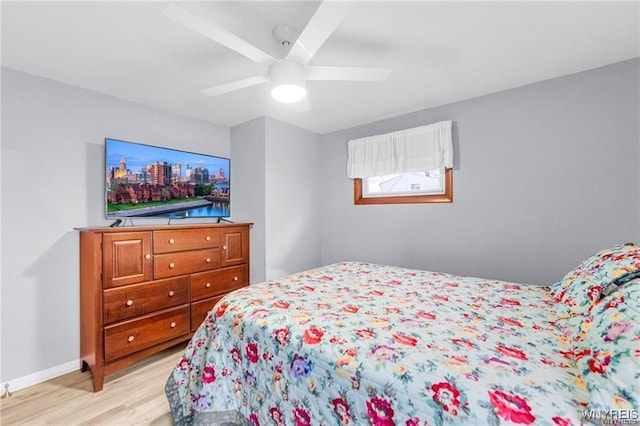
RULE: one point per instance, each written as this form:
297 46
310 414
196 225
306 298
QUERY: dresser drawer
185 239
199 310
185 262
125 338
213 283
139 299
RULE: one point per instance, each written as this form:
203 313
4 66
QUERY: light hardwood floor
132 396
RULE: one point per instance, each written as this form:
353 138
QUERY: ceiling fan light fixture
288 93
287 81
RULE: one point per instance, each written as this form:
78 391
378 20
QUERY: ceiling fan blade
347 73
323 22
304 105
235 85
216 33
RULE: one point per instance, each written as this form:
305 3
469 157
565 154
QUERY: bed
360 343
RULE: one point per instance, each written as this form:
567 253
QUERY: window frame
446 197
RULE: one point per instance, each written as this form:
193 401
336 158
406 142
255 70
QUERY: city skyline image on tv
147 181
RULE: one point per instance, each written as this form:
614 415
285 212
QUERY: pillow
608 355
559 288
619 282
571 276
582 287
621 261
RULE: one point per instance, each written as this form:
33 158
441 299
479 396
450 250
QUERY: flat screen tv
150 181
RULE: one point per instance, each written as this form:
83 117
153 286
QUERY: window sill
447 197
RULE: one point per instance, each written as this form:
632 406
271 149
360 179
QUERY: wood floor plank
131 396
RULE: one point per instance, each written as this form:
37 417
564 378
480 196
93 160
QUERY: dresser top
105 229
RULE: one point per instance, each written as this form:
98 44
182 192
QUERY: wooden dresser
144 289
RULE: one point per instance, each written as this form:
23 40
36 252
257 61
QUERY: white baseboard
40 376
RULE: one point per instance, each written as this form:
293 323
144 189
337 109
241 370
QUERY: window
406 166
435 186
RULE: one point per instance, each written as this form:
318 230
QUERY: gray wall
249 188
276 182
293 199
52 181
544 175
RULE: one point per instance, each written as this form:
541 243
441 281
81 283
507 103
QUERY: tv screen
150 181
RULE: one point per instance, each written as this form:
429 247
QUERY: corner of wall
248 182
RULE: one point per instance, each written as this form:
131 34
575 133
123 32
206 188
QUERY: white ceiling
440 52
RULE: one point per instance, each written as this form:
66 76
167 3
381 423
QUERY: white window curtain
418 149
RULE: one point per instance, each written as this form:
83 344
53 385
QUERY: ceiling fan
289 74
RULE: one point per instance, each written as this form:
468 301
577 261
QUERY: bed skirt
213 418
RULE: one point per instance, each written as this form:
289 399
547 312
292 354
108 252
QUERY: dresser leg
97 374
98 380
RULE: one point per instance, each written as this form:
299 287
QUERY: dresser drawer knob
224 247
171 293
147 256
208 260
130 339
173 325
171 241
235 278
129 302
172 265
208 285
208 238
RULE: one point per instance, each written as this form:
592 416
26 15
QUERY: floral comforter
359 343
